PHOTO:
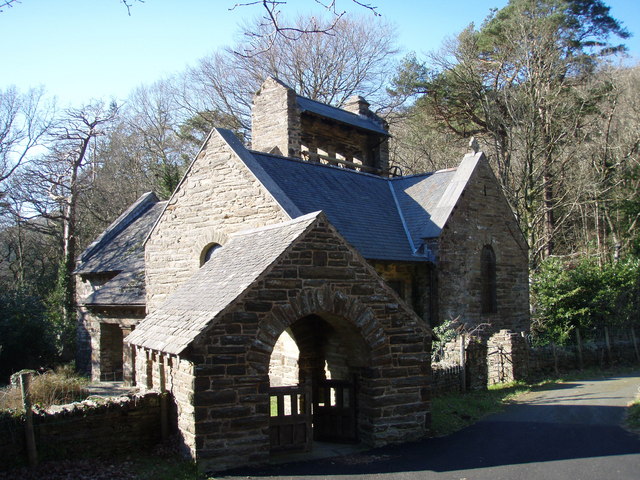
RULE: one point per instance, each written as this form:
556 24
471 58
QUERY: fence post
164 414
463 362
606 339
25 383
635 343
579 343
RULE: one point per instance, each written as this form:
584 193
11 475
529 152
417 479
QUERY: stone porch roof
232 269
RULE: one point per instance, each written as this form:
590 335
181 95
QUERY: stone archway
345 358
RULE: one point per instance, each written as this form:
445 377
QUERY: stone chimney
358 105
275 119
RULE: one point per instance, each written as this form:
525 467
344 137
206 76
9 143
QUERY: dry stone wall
90 428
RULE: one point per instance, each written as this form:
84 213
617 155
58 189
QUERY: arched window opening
208 252
488 280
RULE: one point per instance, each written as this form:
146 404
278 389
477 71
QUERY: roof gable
231 270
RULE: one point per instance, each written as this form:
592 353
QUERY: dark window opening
208 252
488 279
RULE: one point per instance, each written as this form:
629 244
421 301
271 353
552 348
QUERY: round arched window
208 252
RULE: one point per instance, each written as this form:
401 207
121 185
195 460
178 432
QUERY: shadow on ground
525 433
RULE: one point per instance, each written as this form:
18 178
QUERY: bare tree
273 25
357 58
53 183
24 121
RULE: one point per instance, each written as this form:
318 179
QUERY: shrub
26 339
582 294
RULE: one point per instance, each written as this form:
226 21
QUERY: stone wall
483 217
414 283
218 195
118 426
176 376
283 367
507 357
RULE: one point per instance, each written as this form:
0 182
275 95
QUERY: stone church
307 243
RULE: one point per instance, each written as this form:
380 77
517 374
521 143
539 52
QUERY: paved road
569 432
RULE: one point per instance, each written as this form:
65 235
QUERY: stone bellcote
285 123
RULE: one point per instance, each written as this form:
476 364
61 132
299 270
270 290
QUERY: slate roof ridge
138 208
402 219
456 186
309 217
424 174
319 165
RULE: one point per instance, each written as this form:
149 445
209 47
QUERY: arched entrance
315 369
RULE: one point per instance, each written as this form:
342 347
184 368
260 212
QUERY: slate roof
232 269
384 218
120 247
125 289
348 118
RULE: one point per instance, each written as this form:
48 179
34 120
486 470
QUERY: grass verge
452 412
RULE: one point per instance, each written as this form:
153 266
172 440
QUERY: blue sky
88 49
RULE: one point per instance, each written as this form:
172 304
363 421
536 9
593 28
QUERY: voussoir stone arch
204 242
319 301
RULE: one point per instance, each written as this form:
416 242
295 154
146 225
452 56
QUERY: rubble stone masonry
218 196
483 217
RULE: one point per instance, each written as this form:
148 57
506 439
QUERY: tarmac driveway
571 431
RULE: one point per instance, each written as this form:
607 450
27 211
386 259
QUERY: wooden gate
334 411
290 421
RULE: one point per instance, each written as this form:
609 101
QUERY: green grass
453 412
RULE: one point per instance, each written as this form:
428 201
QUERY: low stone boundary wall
92 427
507 356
